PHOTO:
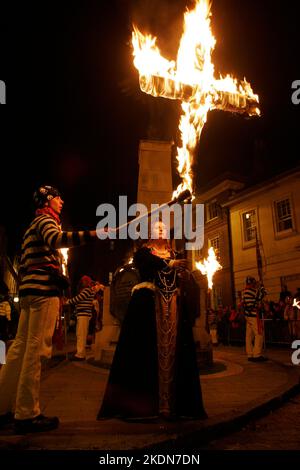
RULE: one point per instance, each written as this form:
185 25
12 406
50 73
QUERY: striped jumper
41 258
251 298
83 302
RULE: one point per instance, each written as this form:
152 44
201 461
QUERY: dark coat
132 389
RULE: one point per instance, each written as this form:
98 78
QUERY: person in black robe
154 371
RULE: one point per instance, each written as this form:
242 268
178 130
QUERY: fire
296 303
65 256
209 266
191 79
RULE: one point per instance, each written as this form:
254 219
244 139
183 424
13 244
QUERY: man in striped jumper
84 309
40 291
251 297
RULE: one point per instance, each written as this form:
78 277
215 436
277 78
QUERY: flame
296 303
209 266
192 80
65 256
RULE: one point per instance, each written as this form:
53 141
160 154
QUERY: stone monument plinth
106 339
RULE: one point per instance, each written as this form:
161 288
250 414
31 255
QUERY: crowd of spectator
281 319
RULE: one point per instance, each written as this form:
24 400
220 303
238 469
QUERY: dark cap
44 194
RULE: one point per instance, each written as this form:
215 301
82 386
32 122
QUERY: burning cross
191 80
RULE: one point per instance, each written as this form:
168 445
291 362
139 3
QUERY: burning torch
65 256
296 303
208 268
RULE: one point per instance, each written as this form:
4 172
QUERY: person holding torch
40 291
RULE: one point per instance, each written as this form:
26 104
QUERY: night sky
75 114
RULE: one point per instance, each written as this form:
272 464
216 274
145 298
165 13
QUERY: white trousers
252 335
214 335
20 376
81 333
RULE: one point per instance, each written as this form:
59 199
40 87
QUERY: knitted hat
44 194
86 280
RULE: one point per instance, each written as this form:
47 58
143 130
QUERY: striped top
5 309
251 297
41 258
83 302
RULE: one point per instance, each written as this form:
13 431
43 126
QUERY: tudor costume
154 370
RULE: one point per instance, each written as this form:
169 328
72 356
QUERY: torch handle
181 197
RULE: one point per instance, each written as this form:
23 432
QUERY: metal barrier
276 331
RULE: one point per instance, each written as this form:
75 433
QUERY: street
279 430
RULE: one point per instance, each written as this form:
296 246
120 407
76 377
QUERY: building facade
8 269
217 235
267 218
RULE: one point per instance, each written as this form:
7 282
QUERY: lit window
213 210
284 220
215 243
249 225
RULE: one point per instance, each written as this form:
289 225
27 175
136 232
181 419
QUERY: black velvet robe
133 389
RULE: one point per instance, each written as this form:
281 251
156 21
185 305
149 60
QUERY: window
215 243
283 213
249 225
213 211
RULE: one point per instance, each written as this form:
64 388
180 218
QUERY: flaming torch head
209 266
296 303
65 256
183 196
